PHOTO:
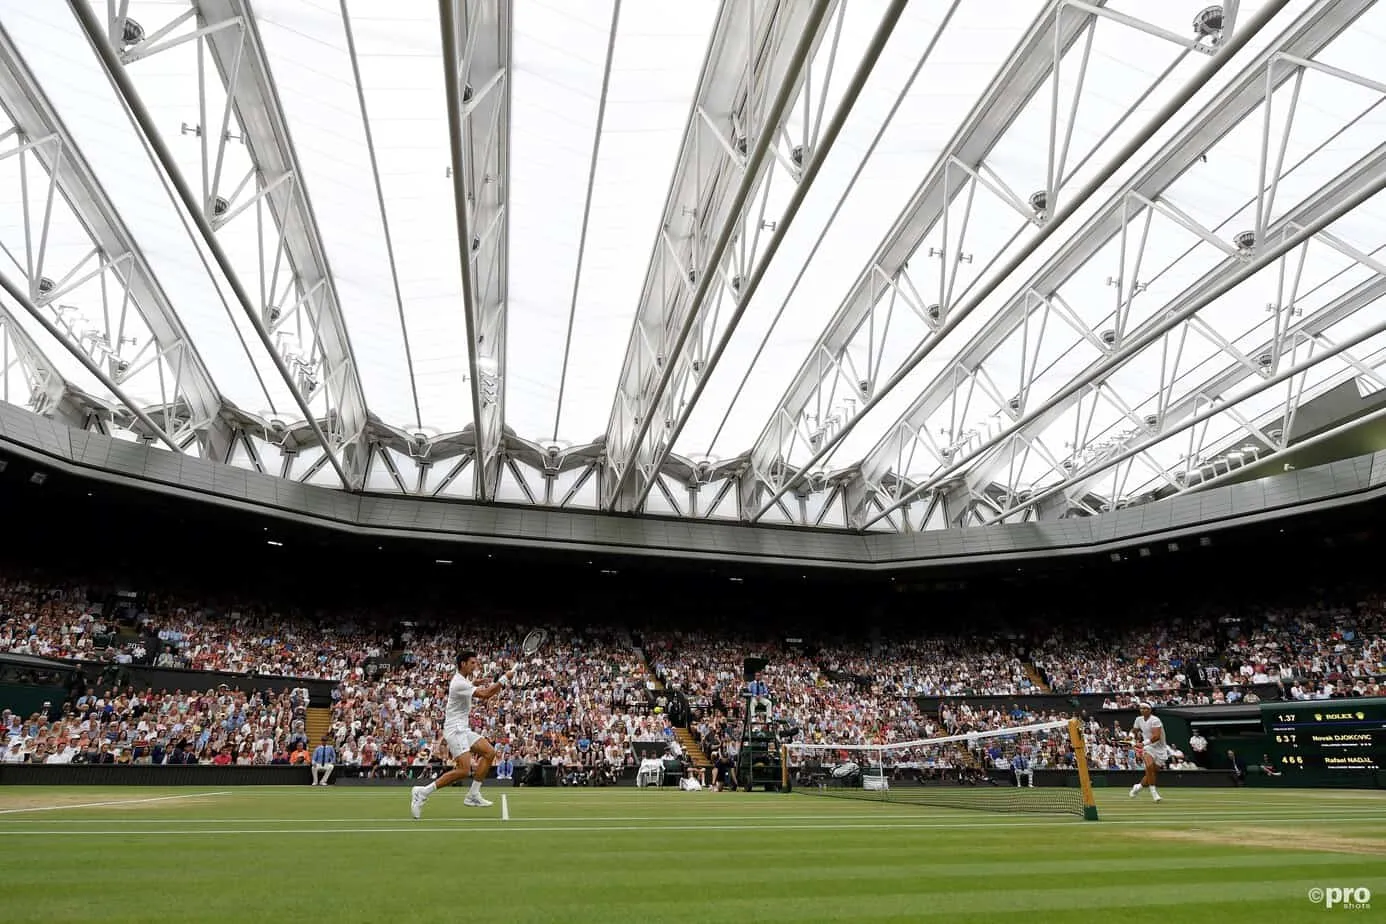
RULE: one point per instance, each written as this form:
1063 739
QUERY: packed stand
219 727
57 620
580 706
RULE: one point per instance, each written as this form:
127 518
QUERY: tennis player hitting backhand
1151 732
463 743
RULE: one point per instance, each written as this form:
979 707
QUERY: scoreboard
1328 734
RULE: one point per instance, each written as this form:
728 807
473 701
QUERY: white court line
1288 813
82 805
496 826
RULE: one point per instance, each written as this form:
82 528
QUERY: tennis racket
534 641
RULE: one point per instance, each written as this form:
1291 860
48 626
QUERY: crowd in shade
596 692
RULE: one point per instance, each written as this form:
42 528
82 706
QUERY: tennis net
1039 768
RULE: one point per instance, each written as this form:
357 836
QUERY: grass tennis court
353 854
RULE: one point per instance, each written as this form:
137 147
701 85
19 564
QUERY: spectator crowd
596 692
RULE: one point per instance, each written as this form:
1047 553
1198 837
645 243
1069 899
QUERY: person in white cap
1150 731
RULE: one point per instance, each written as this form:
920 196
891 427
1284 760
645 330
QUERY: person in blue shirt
1020 763
759 693
324 761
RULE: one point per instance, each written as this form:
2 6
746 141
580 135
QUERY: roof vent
1208 23
933 312
1152 421
1108 337
1245 240
1039 202
1265 360
131 32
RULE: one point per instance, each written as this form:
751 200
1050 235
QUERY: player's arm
486 692
1157 732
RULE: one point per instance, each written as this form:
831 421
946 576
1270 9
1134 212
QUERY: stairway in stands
1036 677
681 733
691 747
317 723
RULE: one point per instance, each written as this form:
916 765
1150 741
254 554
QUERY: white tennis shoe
476 801
417 798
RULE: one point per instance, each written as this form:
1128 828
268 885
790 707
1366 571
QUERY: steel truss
44 389
476 64
106 306
294 289
1126 217
1206 463
844 375
711 234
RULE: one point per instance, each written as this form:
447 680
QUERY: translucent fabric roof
875 265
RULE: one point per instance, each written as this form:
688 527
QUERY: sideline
83 805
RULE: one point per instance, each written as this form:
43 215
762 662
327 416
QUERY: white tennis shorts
1160 755
460 741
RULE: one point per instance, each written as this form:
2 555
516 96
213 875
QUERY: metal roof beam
754 65
17 293
1189 410
1044 209
1327 206
1020 78
683 396
1236 102
125 273
226 30
45 386
476 66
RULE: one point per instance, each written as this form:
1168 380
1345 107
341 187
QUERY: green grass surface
623 855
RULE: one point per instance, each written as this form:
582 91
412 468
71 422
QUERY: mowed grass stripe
734 857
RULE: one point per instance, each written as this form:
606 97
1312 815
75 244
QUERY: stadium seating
597 691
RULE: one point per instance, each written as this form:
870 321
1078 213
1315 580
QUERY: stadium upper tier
888 266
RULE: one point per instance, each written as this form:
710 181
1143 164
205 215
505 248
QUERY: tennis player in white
463 743
1153 744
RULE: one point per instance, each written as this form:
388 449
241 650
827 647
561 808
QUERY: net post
1080 755
785 785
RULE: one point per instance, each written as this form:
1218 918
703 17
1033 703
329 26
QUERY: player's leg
1153 763
458 744
485 756
1148 778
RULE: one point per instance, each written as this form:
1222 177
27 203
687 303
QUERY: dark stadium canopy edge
110 460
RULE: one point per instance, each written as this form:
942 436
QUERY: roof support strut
228 31
476 66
